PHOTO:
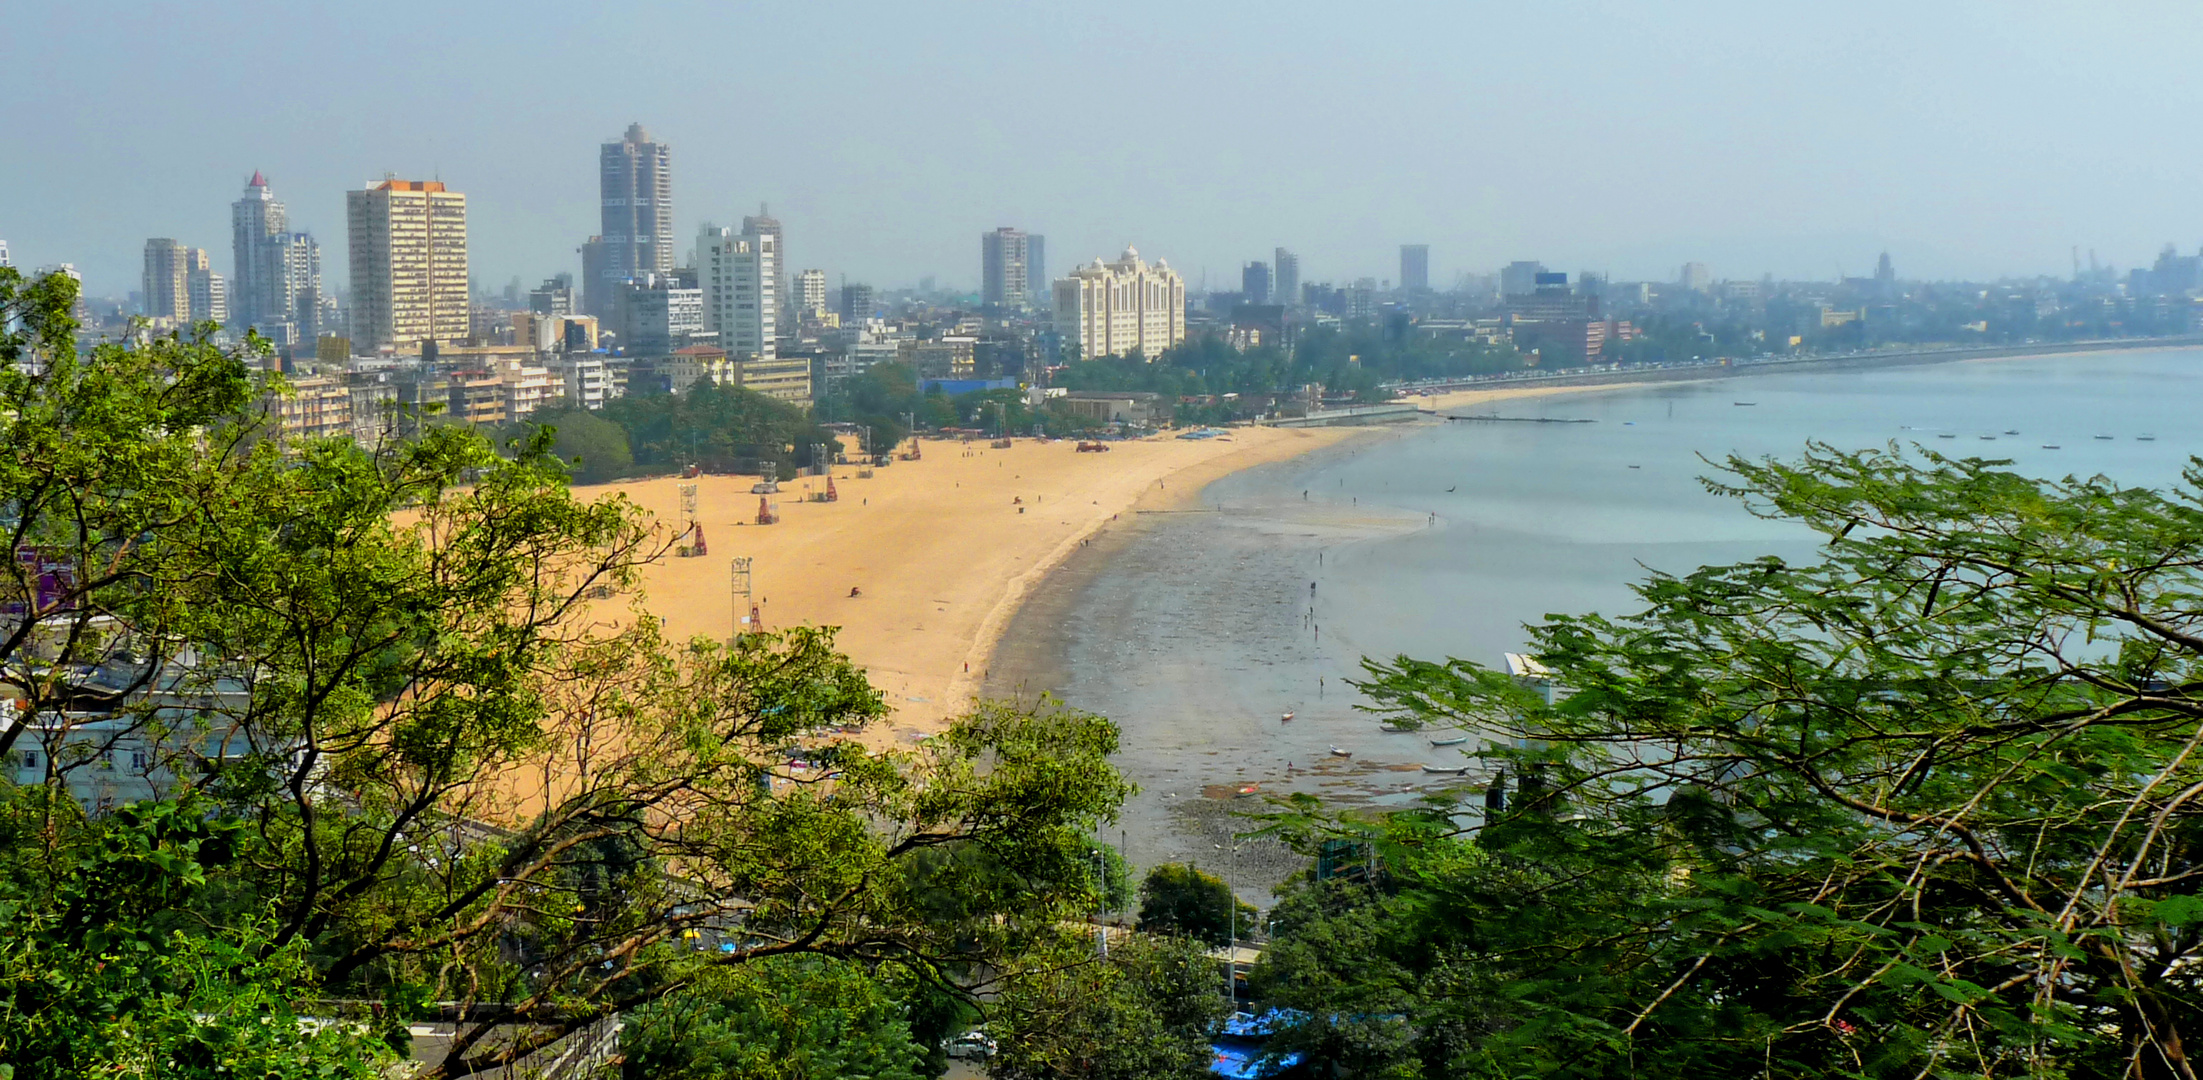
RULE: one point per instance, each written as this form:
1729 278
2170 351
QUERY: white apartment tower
409 264
1005 267
180 284
810 291
1110 309
739 275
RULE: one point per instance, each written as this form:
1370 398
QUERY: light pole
1101 928
1231 938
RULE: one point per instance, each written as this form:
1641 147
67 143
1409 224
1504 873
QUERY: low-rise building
1138 408
584 379
477 397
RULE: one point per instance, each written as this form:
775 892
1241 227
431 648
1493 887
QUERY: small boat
1741 404
2050 446
1946 436
2011 431
1336 752
1446 770
1287 716
2145 438
1247 790
1988 438
2107 437
1396 728
1455 741
1636 466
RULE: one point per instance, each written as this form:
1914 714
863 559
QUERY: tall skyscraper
4 260
1036 267
167 288
1414 267
409 264
1110 309
1286 269
257 229
1005 265
764 224
180 284
1254 282
739 274
636 186
811 292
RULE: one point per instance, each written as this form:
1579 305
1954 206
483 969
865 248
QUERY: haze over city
1973 140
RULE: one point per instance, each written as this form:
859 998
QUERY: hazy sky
1970 139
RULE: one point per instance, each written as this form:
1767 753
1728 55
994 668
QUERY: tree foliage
783 1018
459 772
1925 806
1144 1012
1179 899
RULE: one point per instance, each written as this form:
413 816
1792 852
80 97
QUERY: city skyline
1627 170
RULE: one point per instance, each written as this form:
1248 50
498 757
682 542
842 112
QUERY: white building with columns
1110 309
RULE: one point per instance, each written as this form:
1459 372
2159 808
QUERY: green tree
593 447
1179 899
783 1018
1924 806
1147 1011
462 781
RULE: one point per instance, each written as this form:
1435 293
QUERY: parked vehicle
765 487
970 1045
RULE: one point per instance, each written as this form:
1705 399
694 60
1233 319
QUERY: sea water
1443 541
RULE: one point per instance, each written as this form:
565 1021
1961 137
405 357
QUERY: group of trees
1926 806
720 428
412 764
1345 361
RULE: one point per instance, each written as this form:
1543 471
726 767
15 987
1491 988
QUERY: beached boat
1455 741
1447 770
1396 729
1336 752
1287 716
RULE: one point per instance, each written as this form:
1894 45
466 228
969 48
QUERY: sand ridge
941 551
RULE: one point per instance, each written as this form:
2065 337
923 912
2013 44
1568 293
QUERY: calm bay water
1195 632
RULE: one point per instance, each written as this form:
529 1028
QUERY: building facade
811 293
1254 282
1286 283
1110 309
635 184
659 313
1414 267
1005 268
275 285
180 284
409 264
739 276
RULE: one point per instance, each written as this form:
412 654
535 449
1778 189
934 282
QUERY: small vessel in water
2011 431
2145 438
1446 770
2107 437
1988 438
1455 741
2050 446
1287 716
1947 435
1743 403
1336 752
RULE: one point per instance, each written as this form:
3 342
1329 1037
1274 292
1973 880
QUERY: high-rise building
739 274
259 230
811 292
1286 284
1254 282
166 280
1036 266
1519 278
1695 277
1005 268
208 292
660 313
1414 267
856 303
635 182
554 297
1110 309
598 292
409 264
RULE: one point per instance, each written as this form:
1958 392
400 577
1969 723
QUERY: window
30 759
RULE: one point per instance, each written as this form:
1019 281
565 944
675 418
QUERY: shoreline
924 565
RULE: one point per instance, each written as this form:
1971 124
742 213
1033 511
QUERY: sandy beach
941 551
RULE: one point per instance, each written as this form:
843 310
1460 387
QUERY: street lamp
1231 939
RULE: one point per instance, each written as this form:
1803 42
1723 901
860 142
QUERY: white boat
1447 770
1287 716
1455 741
1336 752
